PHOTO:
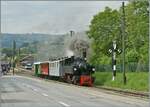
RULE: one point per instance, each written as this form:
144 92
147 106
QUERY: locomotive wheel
75 80
69 79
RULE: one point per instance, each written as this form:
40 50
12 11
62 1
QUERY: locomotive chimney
84 54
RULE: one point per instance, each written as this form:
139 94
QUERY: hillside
7 39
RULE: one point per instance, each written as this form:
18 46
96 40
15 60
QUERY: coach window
53 64
57 64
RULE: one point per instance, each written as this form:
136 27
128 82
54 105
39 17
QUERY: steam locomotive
72 69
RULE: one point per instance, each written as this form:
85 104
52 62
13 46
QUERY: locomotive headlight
93 69
74 69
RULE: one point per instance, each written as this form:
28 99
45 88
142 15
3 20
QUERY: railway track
126 92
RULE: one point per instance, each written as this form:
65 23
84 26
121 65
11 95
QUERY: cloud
50 16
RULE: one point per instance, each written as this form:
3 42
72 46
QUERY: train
75 70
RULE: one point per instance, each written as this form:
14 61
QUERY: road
20 91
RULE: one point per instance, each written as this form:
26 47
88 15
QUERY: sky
50 17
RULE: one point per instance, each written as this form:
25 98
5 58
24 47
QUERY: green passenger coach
37 70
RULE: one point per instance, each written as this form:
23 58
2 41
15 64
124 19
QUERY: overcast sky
50 16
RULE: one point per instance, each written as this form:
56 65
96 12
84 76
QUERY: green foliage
29 48
26 48
26 44
135 81
7 51
106 27
137 21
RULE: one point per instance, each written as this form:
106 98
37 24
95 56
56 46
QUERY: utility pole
123 43
14 48
18 57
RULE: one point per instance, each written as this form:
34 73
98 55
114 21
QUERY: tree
7 51
25 44
138 31
104 27
137 25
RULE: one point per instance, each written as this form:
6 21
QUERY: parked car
28 66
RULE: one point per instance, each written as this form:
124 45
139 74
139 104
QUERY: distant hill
7 39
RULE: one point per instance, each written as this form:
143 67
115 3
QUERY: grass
137 81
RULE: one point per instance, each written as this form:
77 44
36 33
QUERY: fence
132 67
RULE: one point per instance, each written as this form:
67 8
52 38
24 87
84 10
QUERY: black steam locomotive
77 71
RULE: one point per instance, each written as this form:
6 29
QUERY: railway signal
114 50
